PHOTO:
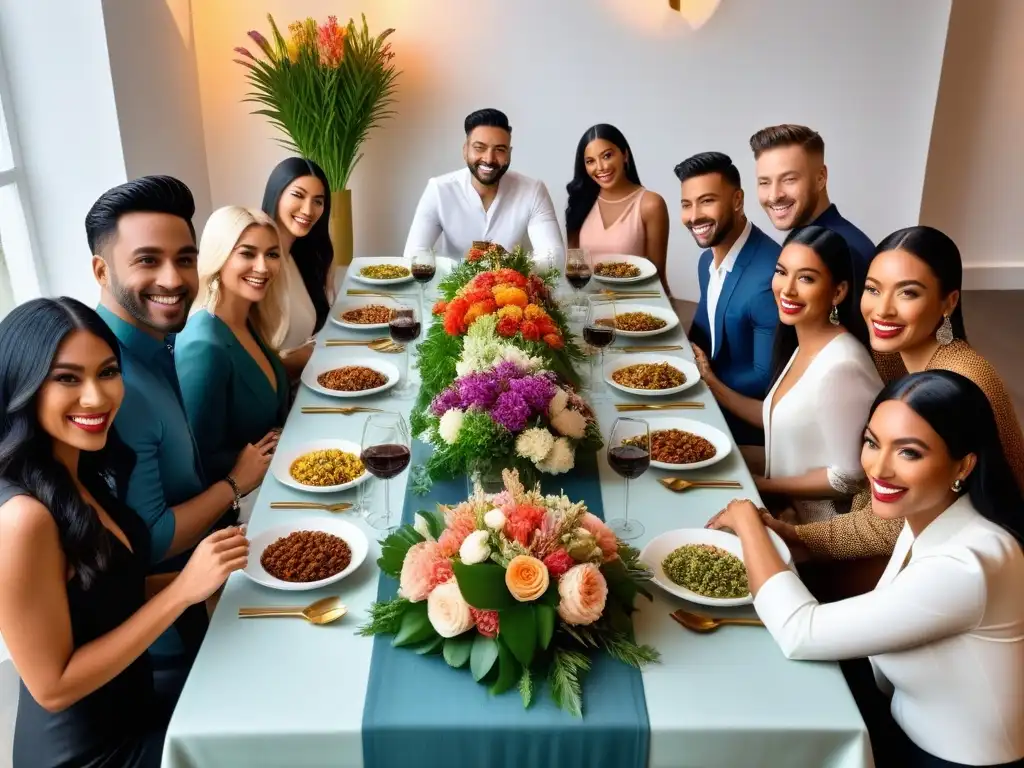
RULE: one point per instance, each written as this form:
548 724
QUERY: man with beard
484 200
792 187
734 327
144 258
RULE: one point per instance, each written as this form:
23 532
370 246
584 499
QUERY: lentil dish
371 314
384 271
707 570
675 446
636 322
617 269
649 376
351 378
327 467
306 556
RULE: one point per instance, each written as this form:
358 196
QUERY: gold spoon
658 407
698 623
678 485
345 411
357 343
323 611
341 506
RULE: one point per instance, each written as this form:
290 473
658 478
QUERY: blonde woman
233 385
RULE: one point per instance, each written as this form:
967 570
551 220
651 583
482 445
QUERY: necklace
621 199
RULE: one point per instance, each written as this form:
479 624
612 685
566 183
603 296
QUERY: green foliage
519 631
526 687
324 109
385 617
394 549
415 627
482 656
619 646
419 480
429 646
566 680
508 669
457 649
545 625
483 586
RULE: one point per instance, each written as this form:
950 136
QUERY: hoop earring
945 333
957 486
833 316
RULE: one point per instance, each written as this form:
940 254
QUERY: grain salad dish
619 269
351 378
634 322
327 467
707 570
384 271
372 314
676 446
306 556
649 376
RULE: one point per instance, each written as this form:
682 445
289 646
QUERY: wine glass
599 335
577 272
629 455
545 260
405 329
386 452
424 266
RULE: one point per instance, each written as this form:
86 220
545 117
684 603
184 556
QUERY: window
19 280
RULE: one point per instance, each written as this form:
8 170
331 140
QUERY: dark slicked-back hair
706 163
149 194
787 135
494 118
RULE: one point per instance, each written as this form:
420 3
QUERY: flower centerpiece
498 376
519 586
325 87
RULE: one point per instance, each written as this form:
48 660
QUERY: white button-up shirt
717 276
945 635
520 214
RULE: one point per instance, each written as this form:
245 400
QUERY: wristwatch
236 502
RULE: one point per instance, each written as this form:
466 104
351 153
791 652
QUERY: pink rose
418 570
448 611
583 593
602 534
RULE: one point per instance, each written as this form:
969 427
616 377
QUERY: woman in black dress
76 611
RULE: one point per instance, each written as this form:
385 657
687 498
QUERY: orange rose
526 578
515 296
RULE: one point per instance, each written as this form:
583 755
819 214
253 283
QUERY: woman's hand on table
252 463
213 560
739 513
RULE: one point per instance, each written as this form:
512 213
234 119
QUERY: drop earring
957 486
945 333
833 316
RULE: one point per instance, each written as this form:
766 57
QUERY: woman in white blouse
944 628
824 381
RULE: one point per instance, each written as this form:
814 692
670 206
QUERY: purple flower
506 370
536 391
445 401
478 390
511 411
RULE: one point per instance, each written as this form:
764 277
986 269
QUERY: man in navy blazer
734 326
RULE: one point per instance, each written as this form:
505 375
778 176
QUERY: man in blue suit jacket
734 326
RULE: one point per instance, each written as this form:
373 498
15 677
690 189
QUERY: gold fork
358 342
343 410
339 507
659 406
365 292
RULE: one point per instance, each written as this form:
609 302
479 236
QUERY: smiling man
484 200
734 326
792 186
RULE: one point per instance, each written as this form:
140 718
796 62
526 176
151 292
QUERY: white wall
62 107
156 87
864 74
974 189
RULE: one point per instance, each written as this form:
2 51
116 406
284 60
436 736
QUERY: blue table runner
420 712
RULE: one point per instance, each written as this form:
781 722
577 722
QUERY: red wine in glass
386 461
629 461
578 275
599 336
404 328
423 273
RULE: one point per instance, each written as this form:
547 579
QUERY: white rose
448 610
420 526
570 423
494 519
449 425
475 548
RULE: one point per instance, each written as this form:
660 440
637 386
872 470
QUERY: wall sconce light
695 12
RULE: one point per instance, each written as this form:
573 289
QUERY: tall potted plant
325 88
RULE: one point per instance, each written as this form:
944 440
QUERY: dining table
285 693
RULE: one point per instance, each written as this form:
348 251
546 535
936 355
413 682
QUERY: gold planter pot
340 226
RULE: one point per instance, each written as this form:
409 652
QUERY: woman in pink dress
609 211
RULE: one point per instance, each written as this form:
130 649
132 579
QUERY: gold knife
338 409
660 348
658 406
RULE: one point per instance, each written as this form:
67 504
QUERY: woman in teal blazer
233 384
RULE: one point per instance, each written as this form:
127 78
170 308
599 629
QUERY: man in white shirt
734 327
484 201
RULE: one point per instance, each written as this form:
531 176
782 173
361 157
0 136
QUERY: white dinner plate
660 547
280 467
355 302
671 320
721 441
647 268
311 372
613 363
360 263
350 533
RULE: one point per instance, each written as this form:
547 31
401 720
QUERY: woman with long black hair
824 381
298 198
609 211
76 610
944 628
